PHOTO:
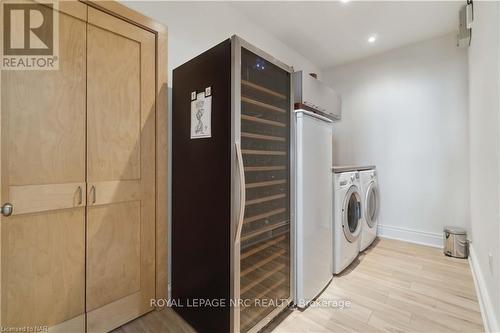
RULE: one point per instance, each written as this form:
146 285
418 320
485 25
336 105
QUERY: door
314 205
351 214
371 204
265 148
43 177
120 278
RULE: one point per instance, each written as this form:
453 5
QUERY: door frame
161 135
161 113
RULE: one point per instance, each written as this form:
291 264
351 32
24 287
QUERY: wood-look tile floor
393 287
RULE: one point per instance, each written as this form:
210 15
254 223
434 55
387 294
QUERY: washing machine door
372 204
351 214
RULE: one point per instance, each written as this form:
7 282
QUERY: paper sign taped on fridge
201 116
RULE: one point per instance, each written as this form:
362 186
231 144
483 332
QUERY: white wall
484 118
194 27
406 112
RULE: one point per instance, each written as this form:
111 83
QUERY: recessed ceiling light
372 39
345 1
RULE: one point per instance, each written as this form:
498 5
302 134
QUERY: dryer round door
351 214
372 204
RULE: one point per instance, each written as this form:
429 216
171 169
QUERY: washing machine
347 219
370 203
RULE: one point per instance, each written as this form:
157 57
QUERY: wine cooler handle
241 173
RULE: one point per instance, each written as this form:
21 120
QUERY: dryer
347 219
370 204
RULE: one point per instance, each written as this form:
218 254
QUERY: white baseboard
490 320
410 235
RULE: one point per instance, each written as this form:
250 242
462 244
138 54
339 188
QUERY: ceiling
332 33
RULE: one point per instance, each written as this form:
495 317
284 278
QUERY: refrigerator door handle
241 173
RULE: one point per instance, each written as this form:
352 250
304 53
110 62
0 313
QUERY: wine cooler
232 190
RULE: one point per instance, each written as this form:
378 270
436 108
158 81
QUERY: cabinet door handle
93 191
7 209
80 195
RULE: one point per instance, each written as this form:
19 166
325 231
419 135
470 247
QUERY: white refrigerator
314 195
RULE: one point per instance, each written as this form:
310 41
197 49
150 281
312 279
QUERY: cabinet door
43 176
120 171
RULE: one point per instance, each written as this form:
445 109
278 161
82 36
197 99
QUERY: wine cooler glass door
265 147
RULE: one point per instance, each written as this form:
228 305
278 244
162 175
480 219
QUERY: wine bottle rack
265 141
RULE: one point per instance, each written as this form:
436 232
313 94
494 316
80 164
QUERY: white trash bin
455 242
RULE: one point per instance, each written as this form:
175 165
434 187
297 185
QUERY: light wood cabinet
83 162
120 170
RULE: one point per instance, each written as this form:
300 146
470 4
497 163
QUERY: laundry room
270 166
